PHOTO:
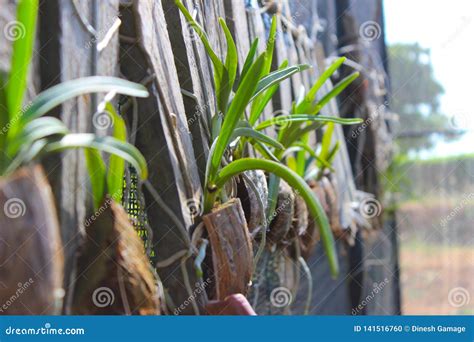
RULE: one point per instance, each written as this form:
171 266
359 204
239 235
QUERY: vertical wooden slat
256 29
66 53
198 98
282 99
7 15
164 140
211 11
236 18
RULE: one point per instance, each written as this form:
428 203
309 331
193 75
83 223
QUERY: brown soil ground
430 272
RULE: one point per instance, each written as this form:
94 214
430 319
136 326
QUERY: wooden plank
282 100
256 29
7 16
190 63
163 138
236 19
67 50
211 11
296 80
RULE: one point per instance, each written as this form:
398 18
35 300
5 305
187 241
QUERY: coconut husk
333 205
252 206
232 255
311 236
114 274
282 220
325 191
300 218
299 225
31 258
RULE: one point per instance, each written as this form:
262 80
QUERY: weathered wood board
163 138
67 50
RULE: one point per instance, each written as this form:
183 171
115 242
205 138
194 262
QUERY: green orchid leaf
254 134
259 103
277 77
103 144
249 59
97 175
62 92
234 114
287 119
338 88
116 167
35 130
23 32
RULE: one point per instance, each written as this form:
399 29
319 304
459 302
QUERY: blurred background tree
415 98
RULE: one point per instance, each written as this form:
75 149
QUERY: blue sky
447 28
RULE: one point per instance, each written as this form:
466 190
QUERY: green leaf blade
105 144
254 134
277 77
236 109
287 119
97 175
116 167
62 92
24 38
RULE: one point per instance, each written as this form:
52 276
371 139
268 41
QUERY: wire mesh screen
134 204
